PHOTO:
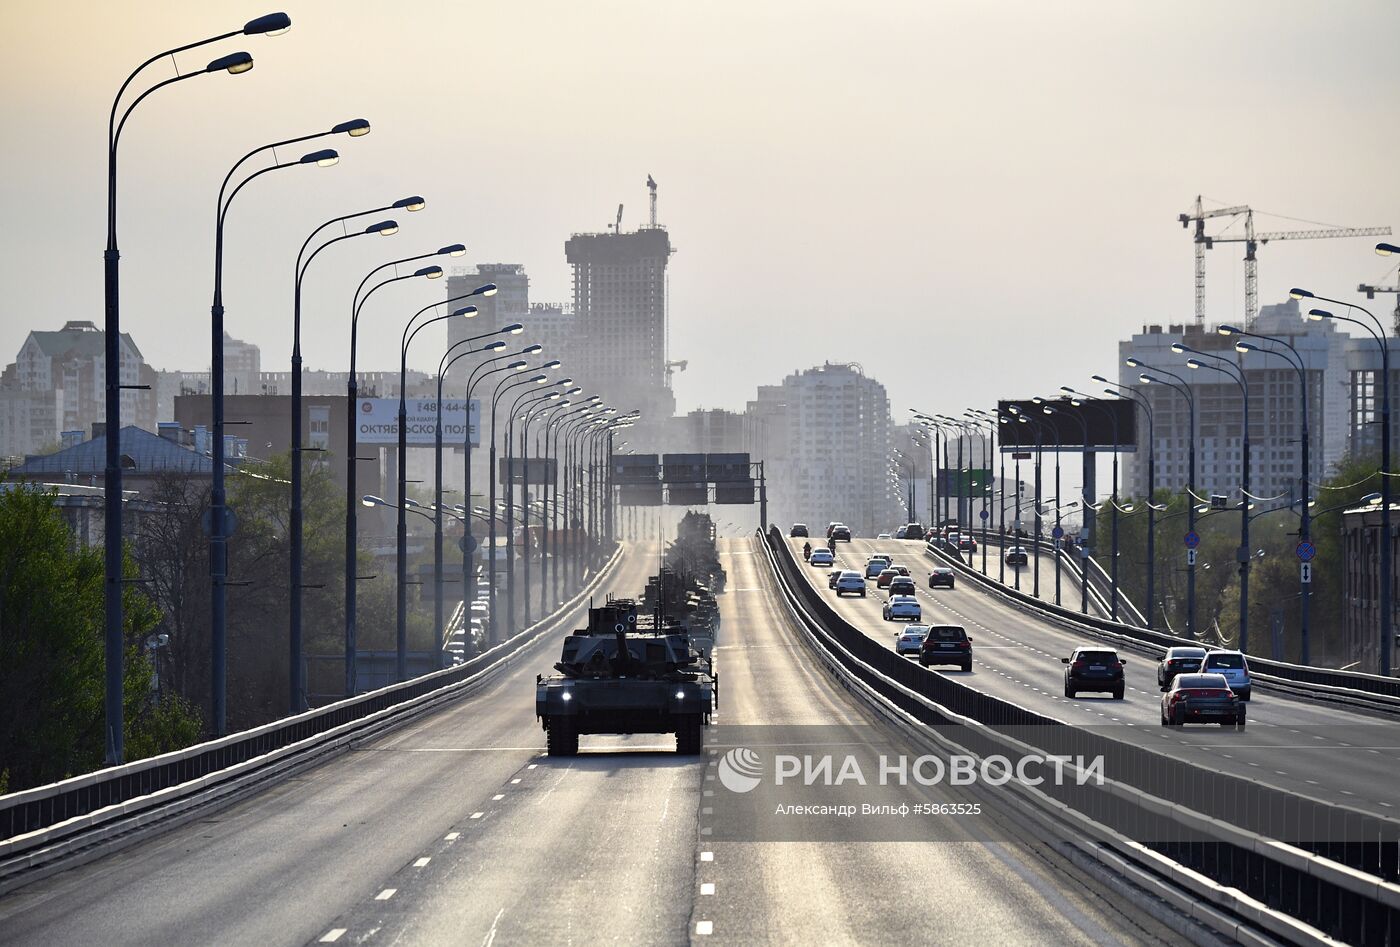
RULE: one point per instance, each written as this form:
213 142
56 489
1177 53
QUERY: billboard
726 468
636 468
640 494
537 470
377 421
734 491
683 468
1061 428
688 494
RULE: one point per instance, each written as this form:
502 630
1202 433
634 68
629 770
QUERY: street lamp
524 396
1039 450
557 425
505 384
352 438
1154 375
1079 399
1050 408
113 634
1378 334
1236 374
1295 361
219 524
546 408
409 331
530 405
383 228
1122 391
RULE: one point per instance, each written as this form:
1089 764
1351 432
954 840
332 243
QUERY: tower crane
1371 291
651 186
1252 241
1203 243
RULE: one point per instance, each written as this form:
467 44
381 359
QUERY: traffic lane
601 846
856 891
1296 745
274 868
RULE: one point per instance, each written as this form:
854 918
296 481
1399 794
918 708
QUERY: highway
458 829
1307 747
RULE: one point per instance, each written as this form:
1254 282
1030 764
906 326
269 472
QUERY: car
902 570
941 575
1094 669
1202 698
1234 666
1178 661
946 644
913 530
902 607
850 582
841 534
902 585
950 539
876 565
898 534
822 557
830 527
831 578
910 639
799 530
1017 556
967 543
883 536
885 577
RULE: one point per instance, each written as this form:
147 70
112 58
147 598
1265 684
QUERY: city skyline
934 215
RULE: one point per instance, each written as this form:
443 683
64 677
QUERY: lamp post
1051 408
443 365
1153 375
383 228
1122 391
1236 374
981 419
352 440
219 525
234 64
558 404
114 643
510 496
1295 361
1113 517
1036 506
563 426
1385 580
502 386
530 406
1058 528
411 329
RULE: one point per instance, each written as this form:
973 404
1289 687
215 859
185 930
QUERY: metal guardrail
47 814
1331 866
1295 674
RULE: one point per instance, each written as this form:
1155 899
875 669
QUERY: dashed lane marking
707 888
386 894
422 862
333 935
704 927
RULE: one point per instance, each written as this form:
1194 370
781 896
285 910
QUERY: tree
52 653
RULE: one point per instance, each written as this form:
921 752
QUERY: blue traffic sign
1192 539
1306 551
1057 532
984 514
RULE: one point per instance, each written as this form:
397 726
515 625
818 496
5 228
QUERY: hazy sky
970 199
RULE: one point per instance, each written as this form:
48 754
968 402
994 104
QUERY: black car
832 577
913 531
1178 661
841 534
941 575
798 530
1202 698
901 585
1094 669
946 644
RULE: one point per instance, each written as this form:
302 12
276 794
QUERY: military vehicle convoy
627 673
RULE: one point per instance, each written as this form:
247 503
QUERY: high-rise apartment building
825 437
1275 407
511 303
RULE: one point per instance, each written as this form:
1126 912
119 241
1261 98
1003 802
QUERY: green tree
52 653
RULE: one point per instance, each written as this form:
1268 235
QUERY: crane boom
1202 242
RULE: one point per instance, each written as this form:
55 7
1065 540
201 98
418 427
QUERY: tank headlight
566 696
680 695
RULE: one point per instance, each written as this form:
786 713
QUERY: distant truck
617 677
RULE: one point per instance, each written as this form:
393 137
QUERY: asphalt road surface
459 830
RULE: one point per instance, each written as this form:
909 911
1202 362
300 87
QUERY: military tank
627 673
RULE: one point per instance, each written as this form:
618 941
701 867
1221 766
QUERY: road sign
1190 557
1057 532
467 544
1193 539
1306 575
984 514
1306 551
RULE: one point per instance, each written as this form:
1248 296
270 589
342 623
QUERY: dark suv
840 534
913 531
946 644
901 585
798 530
1178 661
1094 669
